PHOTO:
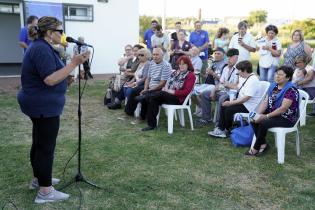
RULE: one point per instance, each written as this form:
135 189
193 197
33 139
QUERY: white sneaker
217 133
52 196
34 183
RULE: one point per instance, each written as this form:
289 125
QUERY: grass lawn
152 170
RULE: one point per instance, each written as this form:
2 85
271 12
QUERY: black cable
64 169
10 202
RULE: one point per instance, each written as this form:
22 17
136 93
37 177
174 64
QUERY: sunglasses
59 30
142 55
298 62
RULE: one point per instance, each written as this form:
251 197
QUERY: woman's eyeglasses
298 62
59 30
141 55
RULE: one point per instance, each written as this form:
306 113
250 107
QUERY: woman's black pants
45 131
261 128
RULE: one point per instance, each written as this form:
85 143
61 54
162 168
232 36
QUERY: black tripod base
79 178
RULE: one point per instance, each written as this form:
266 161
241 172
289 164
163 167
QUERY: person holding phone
42 98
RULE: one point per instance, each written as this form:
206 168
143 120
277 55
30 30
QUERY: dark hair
158 27
198 21
178 23
154 21
187 61
303 58
30 19
139 46
231 52
242 24
222 31
45 23
245 66
287 70
271 28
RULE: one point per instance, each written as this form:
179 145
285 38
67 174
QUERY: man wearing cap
219 93
212 79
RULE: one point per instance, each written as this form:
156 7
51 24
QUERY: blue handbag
243 135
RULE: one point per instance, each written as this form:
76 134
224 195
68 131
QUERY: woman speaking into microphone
42 98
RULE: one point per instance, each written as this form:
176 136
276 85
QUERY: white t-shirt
266 59
197 63
229 76
250 88
244 54
158 41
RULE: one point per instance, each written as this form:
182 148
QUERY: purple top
292 114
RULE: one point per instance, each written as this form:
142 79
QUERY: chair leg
158 117
297 142
280 142
253 142
170 120
181 117
303 119
190 119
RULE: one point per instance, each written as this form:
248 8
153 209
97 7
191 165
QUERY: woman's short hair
139 46
300 32
303 58
45 23
187 61
271 28
145 52
287 70
222 31
245 66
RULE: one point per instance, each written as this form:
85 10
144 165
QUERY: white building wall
115 24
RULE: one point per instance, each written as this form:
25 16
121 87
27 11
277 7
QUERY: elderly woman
177 87
297 48
280 108
179 47
140 74
307 82
269 49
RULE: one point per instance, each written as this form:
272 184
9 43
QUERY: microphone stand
79 176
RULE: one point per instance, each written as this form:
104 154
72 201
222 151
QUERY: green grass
153 170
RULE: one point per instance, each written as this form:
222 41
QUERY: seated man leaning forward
158 74
176 89
247 99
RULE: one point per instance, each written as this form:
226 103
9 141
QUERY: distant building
102 23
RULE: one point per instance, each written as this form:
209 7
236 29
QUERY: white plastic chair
264 85
281 132
303 117
170 110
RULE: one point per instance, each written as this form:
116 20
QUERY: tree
308 27
145 23
257 17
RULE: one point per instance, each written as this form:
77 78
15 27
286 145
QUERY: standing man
243 41
149 33
200 39
24 41
159 39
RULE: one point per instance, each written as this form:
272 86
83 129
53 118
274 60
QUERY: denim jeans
267 74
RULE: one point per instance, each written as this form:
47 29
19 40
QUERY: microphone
72 40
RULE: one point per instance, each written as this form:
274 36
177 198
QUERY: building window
9 8
78 12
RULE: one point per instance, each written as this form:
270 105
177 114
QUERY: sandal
251 152
263 150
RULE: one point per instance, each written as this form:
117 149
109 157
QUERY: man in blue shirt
149 33
200 39
24 41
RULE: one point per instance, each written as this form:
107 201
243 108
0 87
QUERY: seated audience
308 83
195 60
126 61
247 98
280 108
158 73
220 92
176 89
